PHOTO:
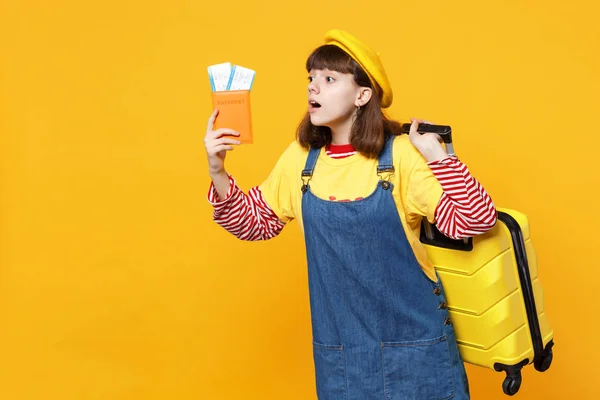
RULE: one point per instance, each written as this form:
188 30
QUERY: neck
340 133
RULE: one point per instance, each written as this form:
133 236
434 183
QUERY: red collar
339 148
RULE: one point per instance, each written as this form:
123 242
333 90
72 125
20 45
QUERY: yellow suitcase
494 295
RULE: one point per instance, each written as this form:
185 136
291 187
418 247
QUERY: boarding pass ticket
224 76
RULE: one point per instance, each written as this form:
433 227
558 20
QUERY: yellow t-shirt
416 190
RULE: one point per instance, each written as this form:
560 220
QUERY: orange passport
234 112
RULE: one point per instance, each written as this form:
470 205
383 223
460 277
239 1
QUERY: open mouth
314 104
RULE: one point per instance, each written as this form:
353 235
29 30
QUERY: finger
211 120
225 131
222 147
413 126
225 140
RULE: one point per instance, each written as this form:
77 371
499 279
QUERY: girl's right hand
217 145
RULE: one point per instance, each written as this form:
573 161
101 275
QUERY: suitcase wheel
512 384
543 362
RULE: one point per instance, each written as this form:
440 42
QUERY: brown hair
368 130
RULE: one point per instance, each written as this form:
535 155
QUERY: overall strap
385 158
309 167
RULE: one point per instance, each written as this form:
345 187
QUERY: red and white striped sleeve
246 216
465 208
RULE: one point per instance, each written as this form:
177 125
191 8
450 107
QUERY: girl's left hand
429 144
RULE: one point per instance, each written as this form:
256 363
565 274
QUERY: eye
330 79
310 78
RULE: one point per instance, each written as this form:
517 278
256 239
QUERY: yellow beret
366 58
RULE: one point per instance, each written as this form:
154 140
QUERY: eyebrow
325 70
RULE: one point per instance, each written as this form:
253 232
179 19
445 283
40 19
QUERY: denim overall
381 329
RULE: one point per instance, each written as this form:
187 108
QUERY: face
332 97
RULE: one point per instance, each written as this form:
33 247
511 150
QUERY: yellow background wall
114 281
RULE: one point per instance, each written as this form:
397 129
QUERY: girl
359 189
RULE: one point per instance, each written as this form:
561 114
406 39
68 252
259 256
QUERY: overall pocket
419 370
330 371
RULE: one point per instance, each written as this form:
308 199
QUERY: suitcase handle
445 132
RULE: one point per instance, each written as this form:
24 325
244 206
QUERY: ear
363 96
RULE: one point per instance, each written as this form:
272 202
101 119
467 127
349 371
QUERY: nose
313 87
